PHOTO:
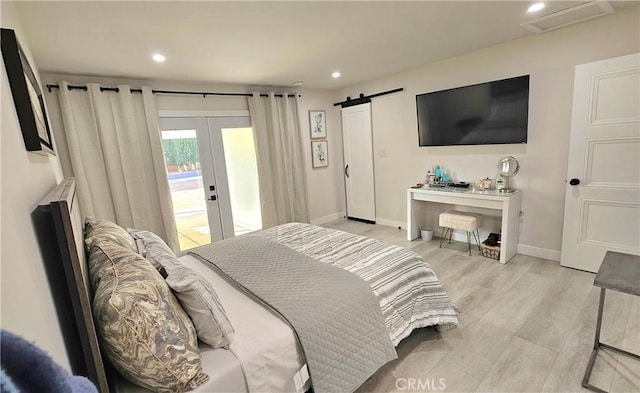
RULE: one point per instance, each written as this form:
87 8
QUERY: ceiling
265 43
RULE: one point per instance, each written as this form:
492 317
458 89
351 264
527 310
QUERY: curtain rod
195 93
363 98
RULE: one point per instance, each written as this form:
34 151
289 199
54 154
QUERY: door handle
574 181
346 170
213 197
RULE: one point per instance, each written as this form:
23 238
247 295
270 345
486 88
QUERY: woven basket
492 252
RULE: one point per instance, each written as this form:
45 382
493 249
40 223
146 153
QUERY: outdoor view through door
187 189
213 177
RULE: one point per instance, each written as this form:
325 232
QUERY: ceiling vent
569 16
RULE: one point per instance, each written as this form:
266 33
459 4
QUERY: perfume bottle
445 177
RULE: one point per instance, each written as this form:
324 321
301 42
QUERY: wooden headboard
60 226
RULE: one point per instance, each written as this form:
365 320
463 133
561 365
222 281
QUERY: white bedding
265 346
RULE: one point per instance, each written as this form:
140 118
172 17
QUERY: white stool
453 219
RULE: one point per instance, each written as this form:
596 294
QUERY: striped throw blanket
409 292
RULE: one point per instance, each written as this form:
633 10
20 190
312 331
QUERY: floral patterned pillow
142 328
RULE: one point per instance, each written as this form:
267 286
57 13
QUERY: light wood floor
527 326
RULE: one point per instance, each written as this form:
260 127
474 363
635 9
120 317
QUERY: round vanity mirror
507 167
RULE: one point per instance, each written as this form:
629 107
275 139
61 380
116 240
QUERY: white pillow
201 304
153 248
195 294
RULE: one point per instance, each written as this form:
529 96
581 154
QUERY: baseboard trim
524 249
391 223
545 253
326 219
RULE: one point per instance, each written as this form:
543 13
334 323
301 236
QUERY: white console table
507 203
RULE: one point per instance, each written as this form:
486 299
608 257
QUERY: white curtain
276 128
117 158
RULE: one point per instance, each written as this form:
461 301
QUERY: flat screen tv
484 114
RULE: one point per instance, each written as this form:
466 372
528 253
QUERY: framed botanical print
27 96
317 124
319 154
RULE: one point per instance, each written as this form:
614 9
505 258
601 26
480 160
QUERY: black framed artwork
27 96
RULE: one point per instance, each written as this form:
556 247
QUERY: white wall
27 305
325 196
325 185
550 60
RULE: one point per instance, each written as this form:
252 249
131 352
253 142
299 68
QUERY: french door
213 177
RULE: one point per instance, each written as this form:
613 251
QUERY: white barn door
602 201
357 139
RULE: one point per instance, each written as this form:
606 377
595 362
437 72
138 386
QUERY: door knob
574 182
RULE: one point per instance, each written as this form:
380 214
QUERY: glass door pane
242 174
213 177
187 187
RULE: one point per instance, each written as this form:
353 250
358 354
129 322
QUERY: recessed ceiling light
535 7
159 58
298 83
336 74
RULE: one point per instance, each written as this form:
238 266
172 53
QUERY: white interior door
357 139
213 177
602 201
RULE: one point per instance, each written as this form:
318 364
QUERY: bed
269 353
267 364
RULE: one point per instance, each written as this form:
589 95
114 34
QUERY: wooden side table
618 272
